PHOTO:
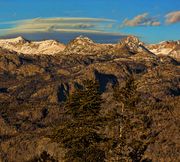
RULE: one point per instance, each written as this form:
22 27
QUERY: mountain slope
33 89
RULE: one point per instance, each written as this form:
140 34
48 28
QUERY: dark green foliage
79 135
86 101
44 157
133 124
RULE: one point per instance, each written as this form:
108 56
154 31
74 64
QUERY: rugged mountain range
85 45
37 77
169 48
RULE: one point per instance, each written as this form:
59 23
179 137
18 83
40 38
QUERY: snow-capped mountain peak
170 48
21 45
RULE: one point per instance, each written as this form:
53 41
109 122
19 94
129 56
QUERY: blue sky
151 20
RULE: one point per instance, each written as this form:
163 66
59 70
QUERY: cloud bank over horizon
55 24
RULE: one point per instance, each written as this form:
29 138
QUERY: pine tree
133 121
79 134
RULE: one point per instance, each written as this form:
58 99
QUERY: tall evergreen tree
80 134
133 123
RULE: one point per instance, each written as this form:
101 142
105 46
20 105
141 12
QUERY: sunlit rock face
84 45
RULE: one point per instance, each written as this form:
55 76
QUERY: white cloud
75 25
173 17
141 20
59 24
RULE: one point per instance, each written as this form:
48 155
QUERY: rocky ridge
84 45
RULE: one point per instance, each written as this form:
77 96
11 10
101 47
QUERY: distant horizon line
59 40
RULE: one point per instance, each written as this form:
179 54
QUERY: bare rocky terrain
36 79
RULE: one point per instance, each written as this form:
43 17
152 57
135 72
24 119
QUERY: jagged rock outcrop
84 45
135 45
132 42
